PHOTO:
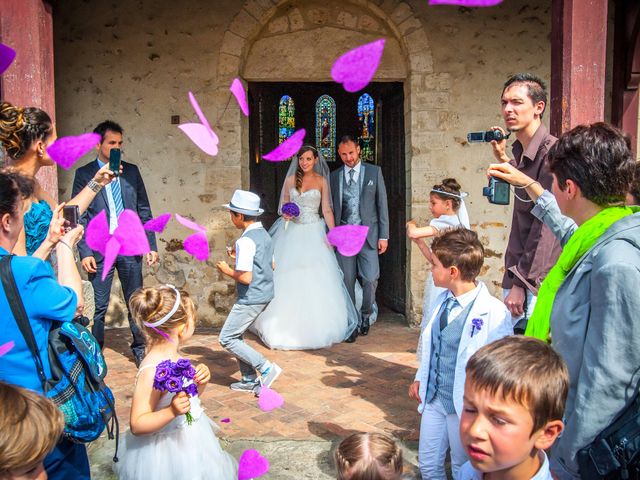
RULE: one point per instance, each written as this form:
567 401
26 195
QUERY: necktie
444 316
351 173
117 196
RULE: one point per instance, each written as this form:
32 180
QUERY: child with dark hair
513 405
466 317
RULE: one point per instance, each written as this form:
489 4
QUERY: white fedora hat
246 203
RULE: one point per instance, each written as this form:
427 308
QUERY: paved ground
328 394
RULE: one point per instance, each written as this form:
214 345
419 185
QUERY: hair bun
452 185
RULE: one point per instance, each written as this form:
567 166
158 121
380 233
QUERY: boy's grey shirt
260 290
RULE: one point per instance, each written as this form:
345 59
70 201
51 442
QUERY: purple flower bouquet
291 209
176 377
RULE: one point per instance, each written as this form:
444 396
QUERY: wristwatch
93 185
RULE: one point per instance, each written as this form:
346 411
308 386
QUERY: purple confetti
66 151
238 91
466 3
6 348
269 399
197 245
348 239
288 148
225 420
252 465
190 224
7 55
158 224
355 69
201 133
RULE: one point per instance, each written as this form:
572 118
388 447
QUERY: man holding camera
532 249
126 192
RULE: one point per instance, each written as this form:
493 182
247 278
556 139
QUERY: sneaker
270 374
249 387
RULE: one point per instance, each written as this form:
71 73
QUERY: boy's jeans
438 432
239 320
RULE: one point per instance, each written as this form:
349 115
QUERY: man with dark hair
360 198
126 192
532 250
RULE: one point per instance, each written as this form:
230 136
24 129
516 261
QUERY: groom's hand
414 391
382 246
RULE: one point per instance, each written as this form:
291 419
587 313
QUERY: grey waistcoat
350 202
260 290
444 355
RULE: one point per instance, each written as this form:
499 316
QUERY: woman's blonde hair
150 304
31 426
368 456
21 127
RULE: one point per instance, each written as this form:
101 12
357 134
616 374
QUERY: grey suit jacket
374 211
595 326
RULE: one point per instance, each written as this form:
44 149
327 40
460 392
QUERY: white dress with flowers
177 451
311 307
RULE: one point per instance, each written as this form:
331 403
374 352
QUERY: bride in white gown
311 307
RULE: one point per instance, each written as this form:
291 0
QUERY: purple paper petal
269 399
238 91
252 465
348 239
131 235
204 138
288 148
7 55
466 3
190 224
197 245
66 151
198 110
97 233
225 420
158 224
110 254
5 348
356 68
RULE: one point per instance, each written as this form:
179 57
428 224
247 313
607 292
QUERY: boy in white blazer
465 318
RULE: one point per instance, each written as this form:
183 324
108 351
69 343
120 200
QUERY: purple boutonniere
476 324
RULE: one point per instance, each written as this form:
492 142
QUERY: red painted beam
27 27
578 62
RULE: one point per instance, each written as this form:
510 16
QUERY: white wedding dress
311 307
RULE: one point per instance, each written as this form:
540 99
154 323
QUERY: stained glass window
326 127
366 119
286 118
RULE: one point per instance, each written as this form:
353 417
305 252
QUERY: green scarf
580 242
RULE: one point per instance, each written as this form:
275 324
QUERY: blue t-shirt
44 300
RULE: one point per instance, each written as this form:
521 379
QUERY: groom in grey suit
360 198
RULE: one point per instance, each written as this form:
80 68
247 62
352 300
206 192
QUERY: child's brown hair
525 370
31 426
150 304
448 189
459 247
368 456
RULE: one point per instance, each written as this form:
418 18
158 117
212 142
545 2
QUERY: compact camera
497 192
488 136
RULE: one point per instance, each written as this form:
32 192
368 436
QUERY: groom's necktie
116 192
446 311
351 173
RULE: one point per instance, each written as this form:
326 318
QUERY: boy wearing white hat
253 274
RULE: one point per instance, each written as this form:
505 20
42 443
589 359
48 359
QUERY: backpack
78 370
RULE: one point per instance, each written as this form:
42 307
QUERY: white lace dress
311 308
177 451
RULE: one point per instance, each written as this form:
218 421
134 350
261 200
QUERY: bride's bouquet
176 377
292 210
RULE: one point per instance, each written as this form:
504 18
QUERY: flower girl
170 436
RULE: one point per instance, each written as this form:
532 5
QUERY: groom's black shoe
364 327
353 336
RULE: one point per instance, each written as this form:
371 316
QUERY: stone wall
136 65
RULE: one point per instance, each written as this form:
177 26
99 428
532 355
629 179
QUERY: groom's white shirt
356 172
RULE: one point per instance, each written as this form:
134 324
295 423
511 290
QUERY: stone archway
252 34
